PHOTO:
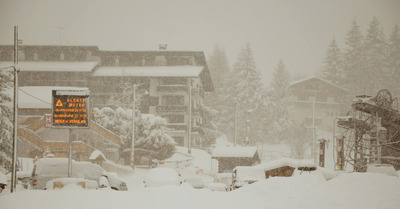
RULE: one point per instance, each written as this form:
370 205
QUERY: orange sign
70 109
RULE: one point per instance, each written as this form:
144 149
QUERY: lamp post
15 131
133 128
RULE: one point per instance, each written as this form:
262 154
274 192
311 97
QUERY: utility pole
15 131
133 128
190 119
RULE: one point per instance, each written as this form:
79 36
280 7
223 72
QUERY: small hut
97 157
230 157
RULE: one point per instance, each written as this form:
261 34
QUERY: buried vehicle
47 169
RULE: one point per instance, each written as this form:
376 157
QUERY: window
173 100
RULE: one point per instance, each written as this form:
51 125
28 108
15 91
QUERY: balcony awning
52 66
150 71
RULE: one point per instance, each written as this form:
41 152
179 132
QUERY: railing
177 127
172 88
172 108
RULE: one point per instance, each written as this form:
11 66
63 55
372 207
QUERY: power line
34 97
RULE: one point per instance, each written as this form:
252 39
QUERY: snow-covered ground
347 190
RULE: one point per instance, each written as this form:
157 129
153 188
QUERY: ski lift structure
369 134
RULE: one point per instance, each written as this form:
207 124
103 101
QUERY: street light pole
15 131
133 128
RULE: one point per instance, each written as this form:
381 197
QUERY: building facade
170 84
317 102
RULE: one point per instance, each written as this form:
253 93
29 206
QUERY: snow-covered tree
208 128
353 62
153 135
151 132
246 91
393 60
217 100
333 69
6 126
375 48
279 105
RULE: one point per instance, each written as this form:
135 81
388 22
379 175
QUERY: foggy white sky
296 31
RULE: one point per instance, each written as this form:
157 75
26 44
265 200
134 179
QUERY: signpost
70 110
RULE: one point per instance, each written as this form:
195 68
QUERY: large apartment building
171 84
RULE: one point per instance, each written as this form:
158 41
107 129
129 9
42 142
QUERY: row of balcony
178 88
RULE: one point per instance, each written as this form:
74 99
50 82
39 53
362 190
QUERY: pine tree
394 61
246 90
279 105
6 126
353 62
375 47
217 100
333 70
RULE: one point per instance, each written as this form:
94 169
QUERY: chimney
162 46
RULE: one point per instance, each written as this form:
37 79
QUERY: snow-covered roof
234 152
39 97
53 66
150 71
314 77
95 154
294 163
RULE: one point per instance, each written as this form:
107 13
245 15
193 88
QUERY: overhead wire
34 96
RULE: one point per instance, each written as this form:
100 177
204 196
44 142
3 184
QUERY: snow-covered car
60 183
243 175
47 169
382 168
224 178
162 176
196 182
217 187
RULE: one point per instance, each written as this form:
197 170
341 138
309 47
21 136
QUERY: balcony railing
177 127
172 88
172 108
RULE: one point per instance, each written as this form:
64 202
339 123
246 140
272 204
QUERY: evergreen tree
217 100
333 70
353 62
246 90
6 126
375 48
394 61
279 105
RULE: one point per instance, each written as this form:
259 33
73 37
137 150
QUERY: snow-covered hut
230 157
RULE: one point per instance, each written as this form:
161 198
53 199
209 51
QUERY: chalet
230 157
317 101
